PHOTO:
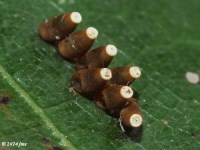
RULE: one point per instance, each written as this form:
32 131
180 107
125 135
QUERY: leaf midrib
37 109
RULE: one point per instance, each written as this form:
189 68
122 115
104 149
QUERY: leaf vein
55 131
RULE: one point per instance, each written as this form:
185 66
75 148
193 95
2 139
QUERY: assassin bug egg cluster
108 88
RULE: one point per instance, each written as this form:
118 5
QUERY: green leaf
36 107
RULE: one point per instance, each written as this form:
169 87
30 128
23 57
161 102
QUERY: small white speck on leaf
71 90
165 122
192 77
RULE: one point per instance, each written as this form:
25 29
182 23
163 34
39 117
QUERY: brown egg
131 114
124 75
89 81
113 97
59 27
77 43
99 57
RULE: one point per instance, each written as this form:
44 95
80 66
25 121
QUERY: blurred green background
161 36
